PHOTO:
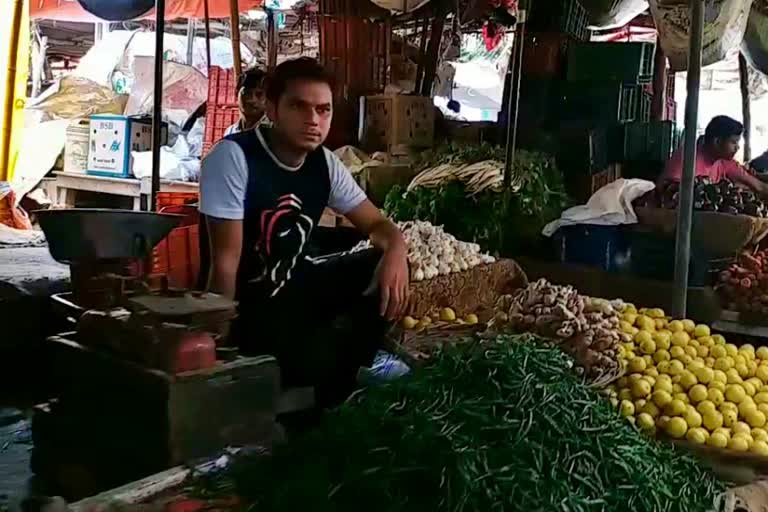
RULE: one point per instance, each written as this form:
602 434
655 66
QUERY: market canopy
71 10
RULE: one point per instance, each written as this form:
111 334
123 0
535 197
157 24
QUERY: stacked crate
221 109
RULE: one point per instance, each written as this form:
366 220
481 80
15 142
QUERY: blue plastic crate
593 245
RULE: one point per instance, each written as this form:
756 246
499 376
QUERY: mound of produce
503 425
584 327
687 383
723 196
463 196
743 286
433 252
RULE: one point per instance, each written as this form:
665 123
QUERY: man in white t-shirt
263 192
250 101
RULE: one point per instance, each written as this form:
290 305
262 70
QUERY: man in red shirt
714 157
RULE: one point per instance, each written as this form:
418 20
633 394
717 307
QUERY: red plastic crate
165 199
178 255
544 54
217 120
222 87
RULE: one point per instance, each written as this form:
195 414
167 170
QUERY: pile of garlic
433 252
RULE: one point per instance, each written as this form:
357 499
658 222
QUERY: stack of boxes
221 109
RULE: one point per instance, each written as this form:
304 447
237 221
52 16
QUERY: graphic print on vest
284 233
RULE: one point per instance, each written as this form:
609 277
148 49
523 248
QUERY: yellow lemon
715 396
642 388
646 422
718 339
712 420
733 376
719 375
629 308
661 398
663 385
625 394
687 380
639 404
663 367
625 326
741 428
677 352
738 444
723 364
761 397
763 408
647 346
718 351
695 366
655 313
700 331
447 315
730 418
645 323
759 434
706 406
762 372
746 407
626 408
634 377
716 384
709 361
756 419
661 355
680 339
662 339
697 435
723 432
629 317
637 365
649 408
717 440
689 325
675 367
759 448
675 408
742 370
693 343
675 326
692 418
747 347
676 427
725 406
661 422
697 393
704 375
752 367
757 383
690 350
651 372
677 388
762 352
702 351
650 379
739 359
749 388
731 349
642 336
683 397
706 341
735 393
745 436
660 323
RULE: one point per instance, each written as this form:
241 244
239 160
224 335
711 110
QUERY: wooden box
398 121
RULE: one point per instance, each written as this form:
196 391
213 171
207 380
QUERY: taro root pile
723 196
585 328
743 286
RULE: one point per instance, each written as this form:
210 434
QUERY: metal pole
191 24
516 62
746 111
685 210
207 34
157 107
234 20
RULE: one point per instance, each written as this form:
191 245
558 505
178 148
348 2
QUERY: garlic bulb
418 275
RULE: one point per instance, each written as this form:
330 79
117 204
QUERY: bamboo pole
271 40
10 89
685 209
234 20
513 104
207 15
746 111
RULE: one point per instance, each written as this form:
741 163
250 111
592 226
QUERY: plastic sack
606 14
386 367
755 43
10 214
725 22
76 98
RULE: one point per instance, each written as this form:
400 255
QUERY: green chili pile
498 426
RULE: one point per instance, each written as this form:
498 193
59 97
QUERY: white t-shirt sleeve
223 182
346 194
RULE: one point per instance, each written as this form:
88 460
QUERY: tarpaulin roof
70 10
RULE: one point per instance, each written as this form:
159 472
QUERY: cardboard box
398 120
113 138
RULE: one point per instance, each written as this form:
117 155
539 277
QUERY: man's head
300 103
251 94
722 137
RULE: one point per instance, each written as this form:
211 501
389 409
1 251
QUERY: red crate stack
221 109
178 255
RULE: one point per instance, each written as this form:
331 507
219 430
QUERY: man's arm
226 241
385 235
223 180
752 182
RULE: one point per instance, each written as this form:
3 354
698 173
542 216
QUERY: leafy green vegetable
505 222
503 425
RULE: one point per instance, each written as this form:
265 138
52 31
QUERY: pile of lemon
690 384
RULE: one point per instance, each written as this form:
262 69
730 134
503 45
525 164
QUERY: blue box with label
112 138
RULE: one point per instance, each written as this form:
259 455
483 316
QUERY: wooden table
63 190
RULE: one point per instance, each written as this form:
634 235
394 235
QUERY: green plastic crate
601 102
629 63
649 141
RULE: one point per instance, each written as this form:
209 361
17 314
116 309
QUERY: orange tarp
70 10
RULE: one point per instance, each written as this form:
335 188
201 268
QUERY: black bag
117 10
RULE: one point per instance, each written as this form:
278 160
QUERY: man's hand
393 282
393 268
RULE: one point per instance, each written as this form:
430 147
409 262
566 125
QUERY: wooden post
745 107
234 20
659 84
10 89
271 40
422 54
433 51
